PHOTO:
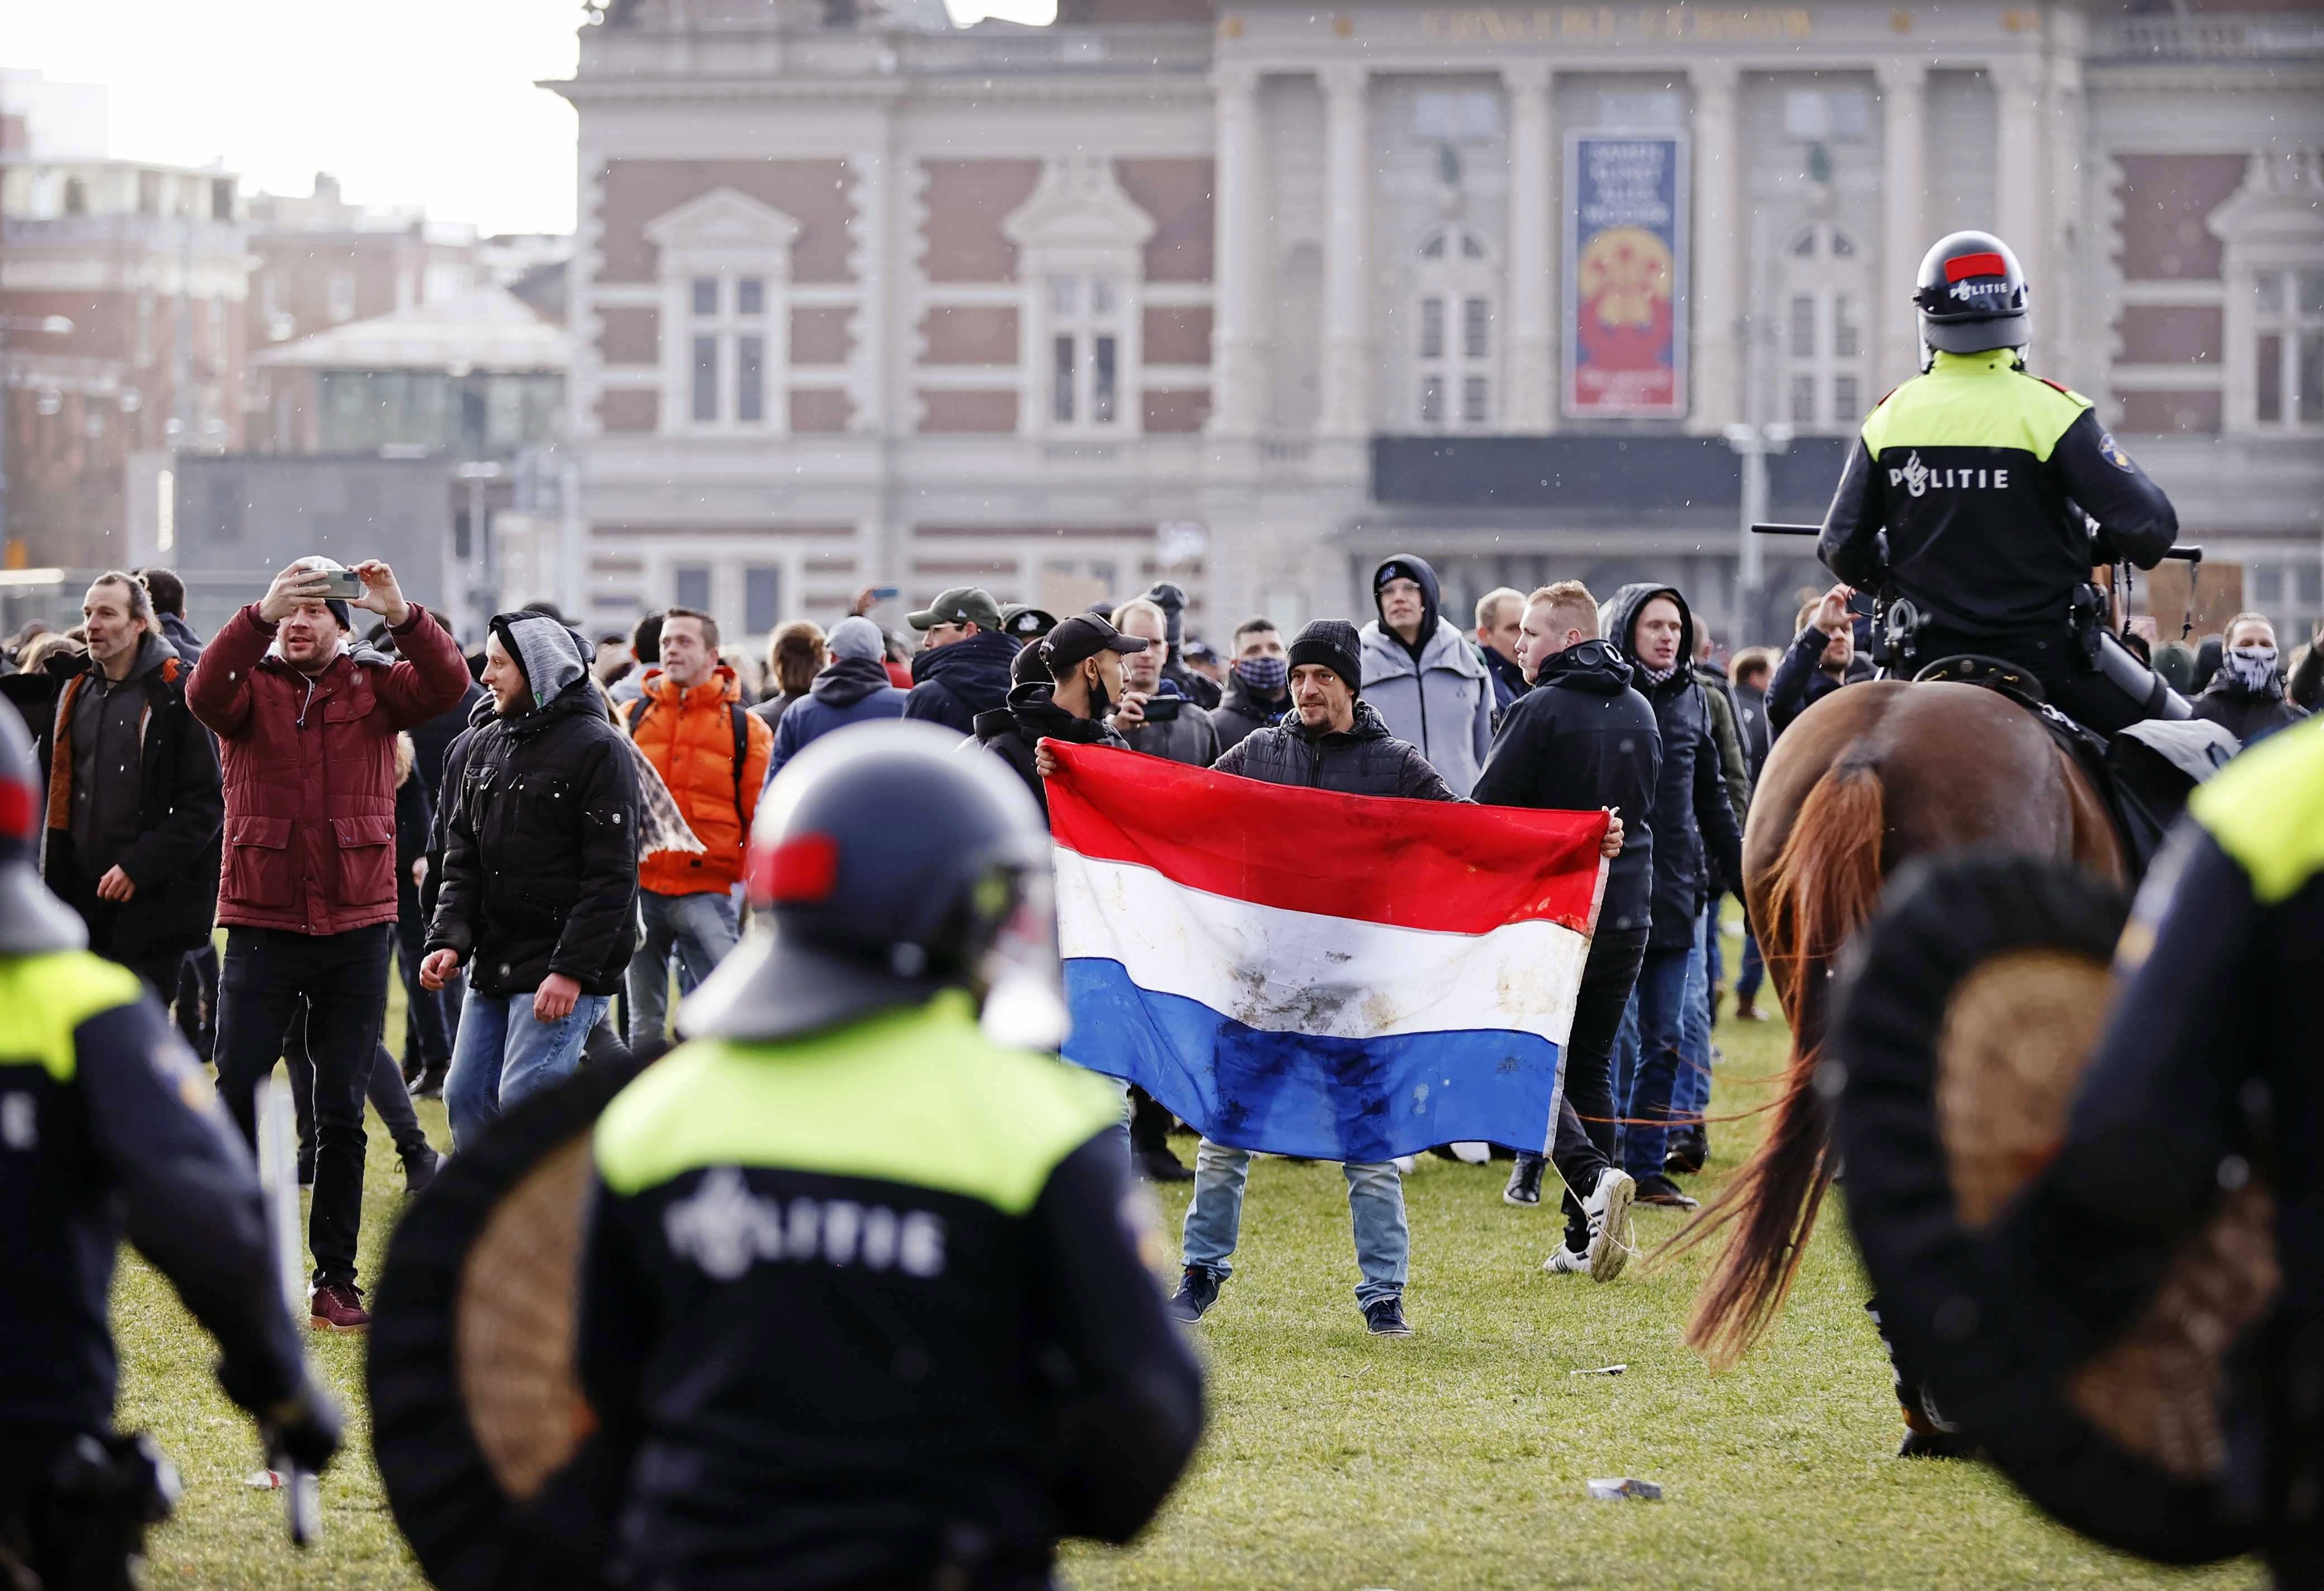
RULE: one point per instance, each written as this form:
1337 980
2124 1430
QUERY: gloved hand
305 1428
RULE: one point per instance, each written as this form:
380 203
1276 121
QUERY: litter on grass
1602 1370
1629 1489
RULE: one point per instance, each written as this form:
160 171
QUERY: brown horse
1867 778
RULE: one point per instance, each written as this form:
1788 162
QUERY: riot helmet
32 921
890 861
1971 295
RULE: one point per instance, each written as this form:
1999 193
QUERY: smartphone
1162 709
346 585
886 593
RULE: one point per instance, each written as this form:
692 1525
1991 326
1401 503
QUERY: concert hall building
1252 296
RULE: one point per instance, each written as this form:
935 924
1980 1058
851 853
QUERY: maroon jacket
309 770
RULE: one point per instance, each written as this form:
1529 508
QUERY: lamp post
49 325
1754 443
486 589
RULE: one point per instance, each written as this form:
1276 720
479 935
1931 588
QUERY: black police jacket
1363 759
541 862
1580 739
866 1308
1695 825
1013 732
108 1127
1969 471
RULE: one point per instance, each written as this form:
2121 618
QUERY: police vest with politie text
1967 492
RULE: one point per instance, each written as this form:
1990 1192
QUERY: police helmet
886 863
1971 295
32 921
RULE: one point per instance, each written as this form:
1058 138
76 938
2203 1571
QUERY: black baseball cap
962 605
1026 623
1083 637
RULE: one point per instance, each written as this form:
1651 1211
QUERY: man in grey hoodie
1422 676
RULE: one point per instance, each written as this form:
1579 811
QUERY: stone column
2021 177
1904 189
2064 314
1531 372
1718 244
1345 409
1237 343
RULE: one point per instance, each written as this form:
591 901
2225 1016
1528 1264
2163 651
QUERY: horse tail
1824 887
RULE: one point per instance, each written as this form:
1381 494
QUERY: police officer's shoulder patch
2112 452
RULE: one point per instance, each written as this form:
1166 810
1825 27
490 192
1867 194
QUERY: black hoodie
1581 739
1032 716
1690 812
951 684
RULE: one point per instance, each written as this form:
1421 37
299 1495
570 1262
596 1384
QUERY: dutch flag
1339 977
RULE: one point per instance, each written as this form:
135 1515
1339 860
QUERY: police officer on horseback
107 1126
1966 498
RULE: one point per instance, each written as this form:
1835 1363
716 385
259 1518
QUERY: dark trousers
384 1088
1583 1143
1746 982
268 974
2074 686
198 986
427 1034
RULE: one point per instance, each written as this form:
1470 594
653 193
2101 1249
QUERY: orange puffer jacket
688 735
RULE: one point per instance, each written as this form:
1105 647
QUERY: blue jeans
701 929
1375 1207
505 1052
1691 1095
1746 982
1647 1058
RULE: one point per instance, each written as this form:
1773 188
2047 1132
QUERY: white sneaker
1607 1209
1470 1152
1406 1163
1566 1263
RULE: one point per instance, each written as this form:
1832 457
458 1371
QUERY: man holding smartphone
1155 716
306 726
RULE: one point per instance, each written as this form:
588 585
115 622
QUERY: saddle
2144 773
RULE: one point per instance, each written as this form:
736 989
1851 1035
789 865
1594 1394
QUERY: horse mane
1824 886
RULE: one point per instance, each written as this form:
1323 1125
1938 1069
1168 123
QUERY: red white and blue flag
1341 977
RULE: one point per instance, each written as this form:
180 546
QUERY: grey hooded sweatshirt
1436 696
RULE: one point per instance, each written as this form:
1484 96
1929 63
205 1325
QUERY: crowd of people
544 834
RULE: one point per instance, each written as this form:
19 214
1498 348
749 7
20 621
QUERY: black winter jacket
1364 759
1798 682
1691 813
2248 715
1012 732
1579 740
540 860
951 684
431 742
1240 712
180 811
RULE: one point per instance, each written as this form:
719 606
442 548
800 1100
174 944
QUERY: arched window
1827 351
1454 352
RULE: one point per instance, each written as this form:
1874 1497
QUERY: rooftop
488 329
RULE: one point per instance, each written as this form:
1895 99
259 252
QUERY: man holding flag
1296 967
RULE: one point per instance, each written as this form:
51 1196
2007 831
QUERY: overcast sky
425 101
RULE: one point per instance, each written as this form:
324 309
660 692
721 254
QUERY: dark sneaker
1525 1182
1385 1317
1198 1290
1936 1444
1658 1190
431 1085
420 1168
338 1307
1157 1165
1687 1152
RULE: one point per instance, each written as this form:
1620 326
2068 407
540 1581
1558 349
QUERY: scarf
1266 675
1653 676
2251 667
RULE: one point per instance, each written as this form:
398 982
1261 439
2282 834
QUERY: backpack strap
742 718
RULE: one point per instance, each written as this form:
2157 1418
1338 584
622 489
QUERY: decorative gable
2279 211
1078 210
724 226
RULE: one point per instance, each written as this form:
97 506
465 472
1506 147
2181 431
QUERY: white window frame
2274 227
1079 226
1838 291
727 237
1443 356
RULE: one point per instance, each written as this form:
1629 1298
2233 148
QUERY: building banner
1626 270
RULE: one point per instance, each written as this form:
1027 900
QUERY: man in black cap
1066 687
1024 624
962 668
1331 740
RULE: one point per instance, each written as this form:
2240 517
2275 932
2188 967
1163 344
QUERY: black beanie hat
1331 644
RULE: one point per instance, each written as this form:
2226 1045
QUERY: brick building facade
1254 296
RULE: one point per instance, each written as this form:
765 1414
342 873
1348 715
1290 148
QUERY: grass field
1455 1457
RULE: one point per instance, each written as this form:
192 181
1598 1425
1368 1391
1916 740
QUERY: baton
2184 554
278 1161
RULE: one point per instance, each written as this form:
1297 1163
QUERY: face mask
2251 667
1266 675
1100 704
